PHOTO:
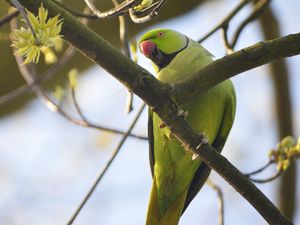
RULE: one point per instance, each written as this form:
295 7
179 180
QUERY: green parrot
179 175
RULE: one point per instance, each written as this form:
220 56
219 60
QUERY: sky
47 164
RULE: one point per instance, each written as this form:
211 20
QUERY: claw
195 156
185 114
204 141
182 113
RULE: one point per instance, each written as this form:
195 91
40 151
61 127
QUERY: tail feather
171 216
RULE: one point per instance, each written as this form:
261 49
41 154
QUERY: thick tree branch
158 95
236 63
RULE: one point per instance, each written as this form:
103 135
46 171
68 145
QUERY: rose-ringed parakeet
177 176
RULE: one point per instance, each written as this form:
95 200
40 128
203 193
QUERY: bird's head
162 45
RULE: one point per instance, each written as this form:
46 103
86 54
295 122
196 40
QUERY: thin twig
220 200
224 25
226 20
273 177
87 122
123 30
21 9
258 9
226 42
260 169
100 176
8 17
30 77
78 109
73 92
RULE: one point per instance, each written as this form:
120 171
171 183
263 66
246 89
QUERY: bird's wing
203 171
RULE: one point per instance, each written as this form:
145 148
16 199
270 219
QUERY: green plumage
176 177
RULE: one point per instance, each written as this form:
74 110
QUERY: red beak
147 48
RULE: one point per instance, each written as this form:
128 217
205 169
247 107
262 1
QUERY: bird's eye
160 34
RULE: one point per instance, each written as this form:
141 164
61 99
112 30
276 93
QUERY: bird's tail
171 215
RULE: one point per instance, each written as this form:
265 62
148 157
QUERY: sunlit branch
47 75
123 30
154 10
147 9
121 8
149 12
226 42
129 102
100 176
